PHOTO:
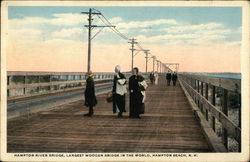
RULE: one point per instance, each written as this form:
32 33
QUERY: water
218 75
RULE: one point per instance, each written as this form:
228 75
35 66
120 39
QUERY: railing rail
26 84
198 88
21 84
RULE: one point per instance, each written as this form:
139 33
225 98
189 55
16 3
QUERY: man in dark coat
168 77
137 87
119 91
151 77
174 78
90 98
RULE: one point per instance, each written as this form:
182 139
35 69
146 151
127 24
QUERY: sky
200 39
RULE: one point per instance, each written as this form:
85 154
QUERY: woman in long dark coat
137 87
90 98
119 91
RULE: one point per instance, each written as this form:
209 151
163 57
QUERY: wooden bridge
170 124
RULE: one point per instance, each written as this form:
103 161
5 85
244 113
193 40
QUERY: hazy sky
201 39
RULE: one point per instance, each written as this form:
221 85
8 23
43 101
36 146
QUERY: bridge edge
212 139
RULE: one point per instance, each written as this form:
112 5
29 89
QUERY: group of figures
170 76
136 85
154 78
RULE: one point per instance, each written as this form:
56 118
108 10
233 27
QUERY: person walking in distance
174 78
90 98
119 91
168 77
151 77
156 76
137 87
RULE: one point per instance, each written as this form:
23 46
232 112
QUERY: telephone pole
90 27
157 61
146 52
132 54
154 63
160 66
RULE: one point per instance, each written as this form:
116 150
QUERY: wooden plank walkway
168 125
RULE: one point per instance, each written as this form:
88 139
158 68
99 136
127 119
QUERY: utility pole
90 27
154 63
132 54
146 52
89 39
157 61
160 66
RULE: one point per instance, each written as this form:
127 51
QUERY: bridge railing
219 100
27 84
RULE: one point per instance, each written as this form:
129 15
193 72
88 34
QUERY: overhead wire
112 28
110 25
106 22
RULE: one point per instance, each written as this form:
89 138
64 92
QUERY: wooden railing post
198 86
213 123
206 114
213 95
239 148
225 98
206 91
39 81
225 111
224 137
202 88
25 82
202 108
8 80
239 110
213 102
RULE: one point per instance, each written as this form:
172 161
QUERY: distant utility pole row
132 41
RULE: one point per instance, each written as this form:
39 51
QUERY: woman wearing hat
119 91
90 98
137 87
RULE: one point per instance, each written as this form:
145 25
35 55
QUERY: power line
117 31
140 46
113 29
107 22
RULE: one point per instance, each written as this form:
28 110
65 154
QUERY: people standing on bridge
90 98
151 77
174 78
156 77
137 87
119 91
168 77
